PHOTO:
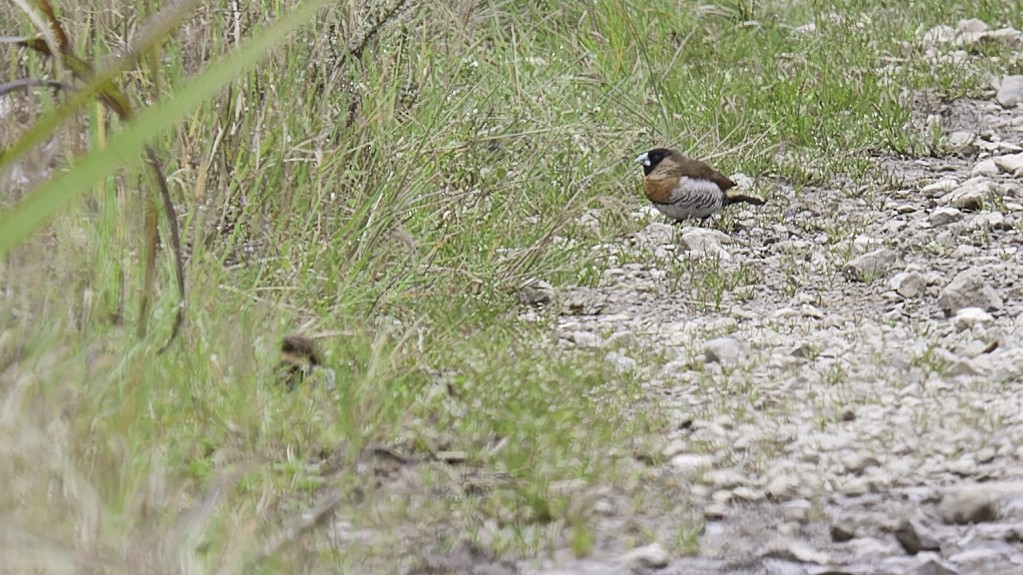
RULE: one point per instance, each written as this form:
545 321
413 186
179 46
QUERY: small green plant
581 539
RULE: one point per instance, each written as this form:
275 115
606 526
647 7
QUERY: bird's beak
643 159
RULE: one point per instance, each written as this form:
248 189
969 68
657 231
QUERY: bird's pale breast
688 198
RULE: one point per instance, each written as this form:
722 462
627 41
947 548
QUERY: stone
915 537
968 317
943 216
858 462
1010 93
808 29
985 168
862 244
873 547
782 486
651 556
962 142
978 560
930 564
964 251
971 504
1010 533
747 494
971 195
1010 164
674 447
621 363
990 221
536 292
1008 36
742 181
691 464
870 265
968 289
940 188
971 26
842 532
725 479
797 510
715 511
586 339
798 551
939 35
856 486
908 284
655 234
704 242
724 350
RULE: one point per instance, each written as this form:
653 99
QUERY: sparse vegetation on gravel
523 369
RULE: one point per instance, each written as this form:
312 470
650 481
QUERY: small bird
681 188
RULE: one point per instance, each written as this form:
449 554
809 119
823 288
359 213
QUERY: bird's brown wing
676 166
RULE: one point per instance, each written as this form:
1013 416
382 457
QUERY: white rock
990 220
586 339
985 168
651 556
621 363
944 216
941 187
1011 164
715 511
1011 91
978 560
915 536
674 447
908 284
968 289
971 195
748 494
863 243
940 34
961 141
742 181
703 242
536 292
723 350
655 234
1010 36
725 479
971 25
968 504
808 29
930 563
795 550
964 251
782 486
968 317
691 464
870 265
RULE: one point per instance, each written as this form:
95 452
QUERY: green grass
393 203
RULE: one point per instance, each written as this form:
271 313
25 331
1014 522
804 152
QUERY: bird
682 188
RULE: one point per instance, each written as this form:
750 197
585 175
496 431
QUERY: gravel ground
853 405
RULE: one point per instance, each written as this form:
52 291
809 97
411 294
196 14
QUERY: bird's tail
737 197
